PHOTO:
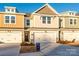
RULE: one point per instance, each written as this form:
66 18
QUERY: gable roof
46 9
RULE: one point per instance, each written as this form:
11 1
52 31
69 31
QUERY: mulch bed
72 43
25 48
64 42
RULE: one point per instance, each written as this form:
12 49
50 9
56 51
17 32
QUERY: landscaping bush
27 47
1 42
27 44
64 42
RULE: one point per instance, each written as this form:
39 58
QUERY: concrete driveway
9 49
55 49
47 49
64 50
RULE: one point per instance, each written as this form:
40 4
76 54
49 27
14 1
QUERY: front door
26 36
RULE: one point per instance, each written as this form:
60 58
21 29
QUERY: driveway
55 49
9 49
47 49
64 50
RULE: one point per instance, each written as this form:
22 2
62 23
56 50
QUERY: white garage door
10 37
69 35
45 37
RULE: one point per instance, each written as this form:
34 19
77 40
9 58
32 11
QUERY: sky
31 7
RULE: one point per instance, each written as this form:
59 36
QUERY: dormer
69 13
10 9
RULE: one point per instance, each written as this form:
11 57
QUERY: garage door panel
11 37
45 37
68 35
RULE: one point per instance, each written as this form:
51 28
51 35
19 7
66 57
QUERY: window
44 19
74 21
71 21
70 13
7 19
48 20
12 10
27 22
12 19
8 10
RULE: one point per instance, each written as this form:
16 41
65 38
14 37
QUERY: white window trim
75 21
72 21
10 19
43 20
4 19
10 10
46 19
13 10
27 22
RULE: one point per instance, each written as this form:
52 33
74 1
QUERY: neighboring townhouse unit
69 21
11 25
42 25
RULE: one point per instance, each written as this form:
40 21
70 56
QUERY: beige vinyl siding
37 22
67 22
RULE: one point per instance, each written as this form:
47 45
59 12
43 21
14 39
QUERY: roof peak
46 4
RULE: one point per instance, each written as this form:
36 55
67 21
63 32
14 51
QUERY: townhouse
43 25
69 28
11 25
47 25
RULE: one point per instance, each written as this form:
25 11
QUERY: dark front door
26 36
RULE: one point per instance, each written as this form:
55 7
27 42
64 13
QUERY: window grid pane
7 19
48 20
28 22
12 19
12 10
8 10
43 19
71 21
74 21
